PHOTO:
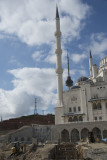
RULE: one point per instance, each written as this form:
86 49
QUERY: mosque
84 105
85 101
79 110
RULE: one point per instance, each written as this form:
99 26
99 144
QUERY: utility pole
35 109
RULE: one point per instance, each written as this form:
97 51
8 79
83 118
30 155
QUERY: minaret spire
59 70
90 54
90 63
69 81
57 13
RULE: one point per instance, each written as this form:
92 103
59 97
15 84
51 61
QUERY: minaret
90 63
69 81
59 70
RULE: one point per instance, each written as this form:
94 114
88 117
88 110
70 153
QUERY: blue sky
27 45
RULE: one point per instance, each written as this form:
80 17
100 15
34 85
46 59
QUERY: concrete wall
23 134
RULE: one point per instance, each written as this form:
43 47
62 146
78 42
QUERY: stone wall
57 129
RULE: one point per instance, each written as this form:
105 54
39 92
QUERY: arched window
97 133
70 119
80 118
84 133
105 134
106 105
65 136
94 106
75 119
75 135
99 107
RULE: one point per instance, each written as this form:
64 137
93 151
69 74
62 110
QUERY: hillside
16 123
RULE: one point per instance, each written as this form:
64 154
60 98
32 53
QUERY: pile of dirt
95 151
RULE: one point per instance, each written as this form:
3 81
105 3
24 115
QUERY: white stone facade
87 100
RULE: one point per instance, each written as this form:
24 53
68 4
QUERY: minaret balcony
59 71
58 51
57 34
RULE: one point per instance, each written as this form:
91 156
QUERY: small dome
82 79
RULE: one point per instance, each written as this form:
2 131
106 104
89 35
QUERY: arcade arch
97 133
84 133
65 136
105 134
75 135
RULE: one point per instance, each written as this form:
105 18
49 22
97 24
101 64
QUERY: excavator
17 148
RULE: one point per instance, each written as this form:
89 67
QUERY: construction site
38 142
77 131
49 151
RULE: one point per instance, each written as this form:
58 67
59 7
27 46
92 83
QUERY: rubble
92 151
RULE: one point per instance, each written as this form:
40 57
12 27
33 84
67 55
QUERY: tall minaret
90 63
59 70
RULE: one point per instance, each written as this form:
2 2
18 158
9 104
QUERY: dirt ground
95 151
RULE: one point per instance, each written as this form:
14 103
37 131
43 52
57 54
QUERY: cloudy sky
27 45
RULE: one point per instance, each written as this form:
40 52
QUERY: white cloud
99 44
38 55
33 21
28 83
76 58
74 8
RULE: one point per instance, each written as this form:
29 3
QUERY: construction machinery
17 148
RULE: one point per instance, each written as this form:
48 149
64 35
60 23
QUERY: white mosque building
86 101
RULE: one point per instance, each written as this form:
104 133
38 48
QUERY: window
79 108
70 119
74 109
70 109
100 118
75 119
95 118
94 106
80 118
106 105
99 107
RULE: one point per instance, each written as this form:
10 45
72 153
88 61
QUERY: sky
27 49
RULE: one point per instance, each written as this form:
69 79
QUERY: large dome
81 79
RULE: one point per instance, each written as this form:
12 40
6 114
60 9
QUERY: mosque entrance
75 135
84 134
97 133
65 136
